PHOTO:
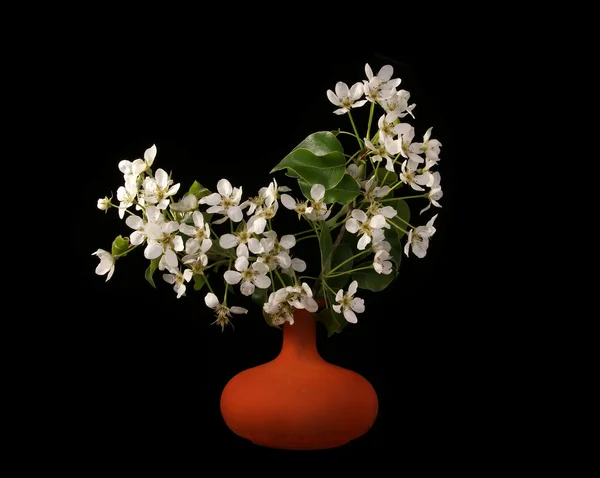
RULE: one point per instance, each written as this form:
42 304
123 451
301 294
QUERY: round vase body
298 401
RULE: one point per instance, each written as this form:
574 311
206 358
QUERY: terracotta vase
298 401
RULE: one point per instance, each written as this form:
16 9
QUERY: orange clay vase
299 401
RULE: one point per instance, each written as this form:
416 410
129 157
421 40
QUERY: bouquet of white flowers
352 197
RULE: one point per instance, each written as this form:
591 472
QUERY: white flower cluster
179 237
394 143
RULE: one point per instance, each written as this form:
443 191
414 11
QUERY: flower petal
317 192
350 316
211 300
262 281
288 241
232 277
224 187
228 241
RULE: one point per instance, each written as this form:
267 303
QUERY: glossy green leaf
199 281
328 319
120 246
259 296
341 254
268 320
150 271
343 193
390 177
319 159
198 190
321 143
369 279
403 211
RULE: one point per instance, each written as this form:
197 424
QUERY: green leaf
369 279
292 174
343 193
403 211
389 180
319 159
199 281
341 253
198 190
268 320
396 250
259 296
287 279
321 143
328 319
150 271
120 246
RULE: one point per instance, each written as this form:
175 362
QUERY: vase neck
300 338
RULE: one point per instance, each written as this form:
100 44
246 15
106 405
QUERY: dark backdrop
145 370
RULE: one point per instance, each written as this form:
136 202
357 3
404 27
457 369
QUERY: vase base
300 444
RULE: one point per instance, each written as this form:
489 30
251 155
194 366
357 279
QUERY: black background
144 371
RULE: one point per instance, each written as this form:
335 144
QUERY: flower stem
397 227
307 277
127 251
350 271
370 120
208 284
226 285
355 130
305 237
405 222
348 260
405 197
330 289
279 277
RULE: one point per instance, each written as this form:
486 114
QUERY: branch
338 239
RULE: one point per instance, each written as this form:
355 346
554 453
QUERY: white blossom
243 240
418 239
275 252
406 134
152 228
297 265
107 263
222 311
281 303
188 203
251 276
319 210
301 297
408 176
226 202
103 203
347 304
301 208
258 221
372 191
199 234
159 189
126 195
397 106
370 228
164 245
382 86
346 98
138 166
381 262
383 149
435 193
178 279
431 147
